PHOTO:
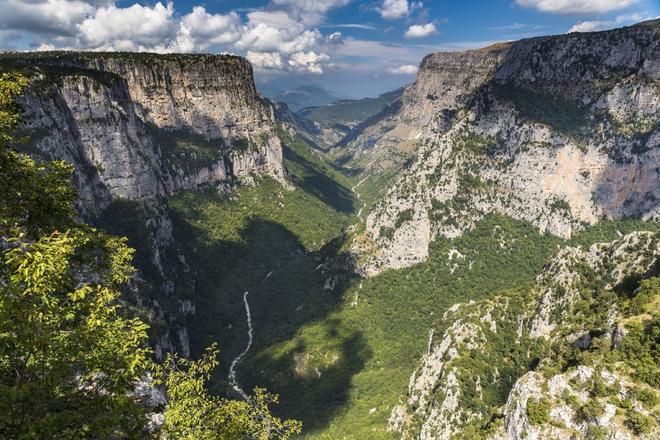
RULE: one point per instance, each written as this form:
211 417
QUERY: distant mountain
350 112
304 96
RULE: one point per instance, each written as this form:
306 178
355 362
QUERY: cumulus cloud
265 60
308 61
406 69
57 17
212 28
599 25
276 31
310 11
272 38
576 6
421 31
134 28
394 9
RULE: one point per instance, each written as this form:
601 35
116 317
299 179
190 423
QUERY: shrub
639 423
538 412
590 411
648 397
596 433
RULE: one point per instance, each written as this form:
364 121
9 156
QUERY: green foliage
590 411
551 109
186 151
597 433
538 412
642 300
560 205
639 423
648 396
193 414
476 144
641 350
67 358
403 216
36 198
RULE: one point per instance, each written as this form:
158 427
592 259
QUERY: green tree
193 414
68 360
36 198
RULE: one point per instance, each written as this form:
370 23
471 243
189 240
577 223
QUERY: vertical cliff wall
139 126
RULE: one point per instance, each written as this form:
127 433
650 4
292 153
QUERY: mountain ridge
578 108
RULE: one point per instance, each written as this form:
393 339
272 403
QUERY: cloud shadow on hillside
287 291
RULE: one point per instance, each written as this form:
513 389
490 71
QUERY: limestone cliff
139 126
559 131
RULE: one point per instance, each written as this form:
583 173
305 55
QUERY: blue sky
354 47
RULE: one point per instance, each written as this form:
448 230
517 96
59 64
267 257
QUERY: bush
596 433
639 423
538 412
590 411
648 397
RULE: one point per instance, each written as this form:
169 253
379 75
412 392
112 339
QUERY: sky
355 48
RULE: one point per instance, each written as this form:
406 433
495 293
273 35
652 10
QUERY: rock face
559 131
142 126
488 368
138 128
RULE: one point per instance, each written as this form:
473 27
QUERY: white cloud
576 6
310 11
212 28
134 28
599 25
421 31
406 69
265 60
393 9
302 48
276 31
48 16
272 39
308 61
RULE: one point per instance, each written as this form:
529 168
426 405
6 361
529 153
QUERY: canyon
464 263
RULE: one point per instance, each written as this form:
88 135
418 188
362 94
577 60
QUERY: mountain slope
560 131
336 119
490 164
304 96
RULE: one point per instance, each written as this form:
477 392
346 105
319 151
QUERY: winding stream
237 360
358 196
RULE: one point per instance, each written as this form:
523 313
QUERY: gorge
479 259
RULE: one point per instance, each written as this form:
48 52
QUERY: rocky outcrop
495 347
564 395
559 131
